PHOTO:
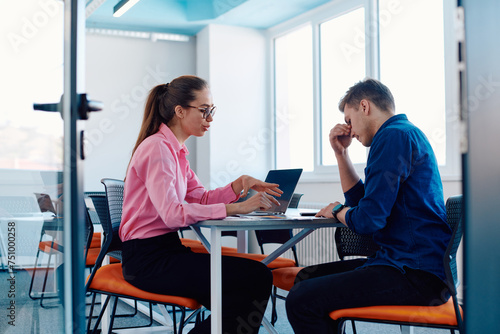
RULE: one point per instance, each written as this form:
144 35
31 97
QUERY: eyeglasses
207 111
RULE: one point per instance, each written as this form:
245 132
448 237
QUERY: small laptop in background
287 180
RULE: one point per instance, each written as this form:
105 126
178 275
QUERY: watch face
337 207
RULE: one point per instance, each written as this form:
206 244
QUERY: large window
342 65
407 44
294 99
412 65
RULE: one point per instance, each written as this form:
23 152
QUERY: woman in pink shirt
162 194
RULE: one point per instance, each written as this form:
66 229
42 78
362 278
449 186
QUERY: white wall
234 61
120 72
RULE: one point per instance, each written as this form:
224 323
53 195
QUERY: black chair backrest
101 209
349 243
114 198
94 215
454 216
88 231
294 202
109 210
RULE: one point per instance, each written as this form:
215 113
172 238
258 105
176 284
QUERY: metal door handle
84 106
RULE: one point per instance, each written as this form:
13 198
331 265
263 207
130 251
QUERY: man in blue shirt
400 203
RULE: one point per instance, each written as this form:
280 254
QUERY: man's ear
364 105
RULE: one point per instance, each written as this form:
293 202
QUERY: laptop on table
287 180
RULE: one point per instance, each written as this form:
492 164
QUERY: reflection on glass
31 164
342 65
294 100
412 64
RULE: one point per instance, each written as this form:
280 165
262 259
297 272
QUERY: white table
292 220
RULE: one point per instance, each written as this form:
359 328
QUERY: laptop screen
287 180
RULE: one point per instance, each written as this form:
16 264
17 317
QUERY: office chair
101 210
349 243
108 280
52 247
94 217
447 315
99 216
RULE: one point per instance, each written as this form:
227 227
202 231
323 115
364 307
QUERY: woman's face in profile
193 123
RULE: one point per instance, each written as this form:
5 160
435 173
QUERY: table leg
242 236
215 280
287 245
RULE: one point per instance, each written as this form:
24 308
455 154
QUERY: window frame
314 18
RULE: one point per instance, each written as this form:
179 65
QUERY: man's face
357 119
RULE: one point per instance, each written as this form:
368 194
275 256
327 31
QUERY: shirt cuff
228 195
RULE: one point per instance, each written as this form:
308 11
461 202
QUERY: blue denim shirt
401 201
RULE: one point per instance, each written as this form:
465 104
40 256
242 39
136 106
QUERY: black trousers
163 265
332 286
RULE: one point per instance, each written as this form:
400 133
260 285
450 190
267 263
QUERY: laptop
287 180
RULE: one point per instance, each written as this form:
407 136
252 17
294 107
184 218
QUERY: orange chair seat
96 240
47 246
197 246
92 255
284 278
280 262
441 315
109 279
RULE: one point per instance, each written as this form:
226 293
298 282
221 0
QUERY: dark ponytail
162 100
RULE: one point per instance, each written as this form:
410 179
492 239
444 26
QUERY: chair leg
407 329
341 327
181 322
91 311
33 276
45 278
174 319
103 308
112 317
274 314
353 327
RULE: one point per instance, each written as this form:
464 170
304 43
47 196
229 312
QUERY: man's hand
340 138
327 210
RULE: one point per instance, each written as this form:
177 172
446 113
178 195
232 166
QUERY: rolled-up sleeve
389 164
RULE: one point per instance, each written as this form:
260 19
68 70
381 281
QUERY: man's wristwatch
337 209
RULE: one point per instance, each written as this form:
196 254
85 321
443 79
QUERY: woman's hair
162 100
369 89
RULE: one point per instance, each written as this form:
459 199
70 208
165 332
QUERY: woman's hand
340 138
244 183
259 201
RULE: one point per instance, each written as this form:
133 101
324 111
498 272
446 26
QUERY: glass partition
31 166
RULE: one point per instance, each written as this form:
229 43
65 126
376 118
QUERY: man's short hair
372 90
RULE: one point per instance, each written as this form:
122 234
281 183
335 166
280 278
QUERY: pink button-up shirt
163 194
